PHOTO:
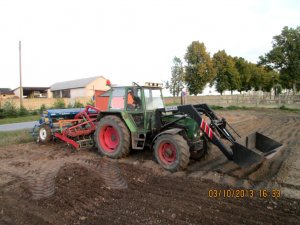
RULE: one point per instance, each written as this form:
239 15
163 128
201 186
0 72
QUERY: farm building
6 93
78 88
32 92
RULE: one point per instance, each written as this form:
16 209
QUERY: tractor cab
135 98
136 106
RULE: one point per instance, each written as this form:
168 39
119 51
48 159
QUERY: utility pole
20 65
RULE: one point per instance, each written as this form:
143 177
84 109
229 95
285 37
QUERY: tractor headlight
197 134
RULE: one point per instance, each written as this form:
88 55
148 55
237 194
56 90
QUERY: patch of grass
20 119
283 107
14 137
216 107
172 103
231 107
234 107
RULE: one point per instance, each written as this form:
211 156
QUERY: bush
2 114
90 102
59 104
42 108
23 111
35 112
10 110
78 104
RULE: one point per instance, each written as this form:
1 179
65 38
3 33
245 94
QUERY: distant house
6 93
79 88
32 92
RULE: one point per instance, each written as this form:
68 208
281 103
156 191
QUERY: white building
79 88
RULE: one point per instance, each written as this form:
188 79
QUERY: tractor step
138 141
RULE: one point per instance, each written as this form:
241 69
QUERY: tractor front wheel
45 134
112 137
172 152
199 154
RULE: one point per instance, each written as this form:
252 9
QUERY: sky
129 40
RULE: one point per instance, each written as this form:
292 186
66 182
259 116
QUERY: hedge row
9 110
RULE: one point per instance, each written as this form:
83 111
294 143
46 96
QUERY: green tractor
137 118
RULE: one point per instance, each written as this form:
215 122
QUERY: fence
35 103
291 101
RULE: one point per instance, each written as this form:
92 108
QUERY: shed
6 93
79 88
32 92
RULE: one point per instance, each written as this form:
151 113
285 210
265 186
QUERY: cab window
153 99
134 98
117 98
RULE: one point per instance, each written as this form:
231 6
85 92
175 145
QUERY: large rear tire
45 134
172 152
112 137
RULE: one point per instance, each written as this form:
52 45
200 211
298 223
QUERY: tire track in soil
40 172
82 196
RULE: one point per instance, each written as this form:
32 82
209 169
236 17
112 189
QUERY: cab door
135 109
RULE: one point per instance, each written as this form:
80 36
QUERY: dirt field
50 185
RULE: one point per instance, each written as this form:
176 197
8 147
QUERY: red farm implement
73 126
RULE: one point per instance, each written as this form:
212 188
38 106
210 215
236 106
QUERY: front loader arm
194 113
246 151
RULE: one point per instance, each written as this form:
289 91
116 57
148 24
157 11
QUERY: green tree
199 69
243 68
257 77
177 80
285 57
263 78
227 77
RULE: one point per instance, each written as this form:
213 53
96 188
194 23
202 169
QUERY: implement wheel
172 152
112 137
45 134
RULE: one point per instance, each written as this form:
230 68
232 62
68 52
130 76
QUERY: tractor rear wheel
112 137
45 134
172 152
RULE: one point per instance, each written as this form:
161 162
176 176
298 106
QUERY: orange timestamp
244 193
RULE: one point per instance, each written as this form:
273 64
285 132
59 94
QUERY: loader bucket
253 149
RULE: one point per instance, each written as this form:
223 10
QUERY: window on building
56 94
66 93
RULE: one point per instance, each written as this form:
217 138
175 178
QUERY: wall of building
78 92
98 84
49 93
17 92
7 96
